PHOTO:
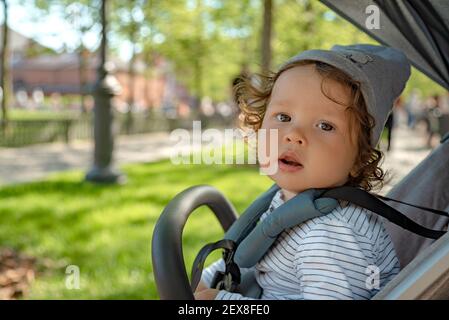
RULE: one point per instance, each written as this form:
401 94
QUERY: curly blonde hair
253 95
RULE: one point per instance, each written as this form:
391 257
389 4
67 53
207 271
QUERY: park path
19 165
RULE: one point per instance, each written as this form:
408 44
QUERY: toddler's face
312 131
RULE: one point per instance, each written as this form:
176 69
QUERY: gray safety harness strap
247 240
230 278
250 236
371 202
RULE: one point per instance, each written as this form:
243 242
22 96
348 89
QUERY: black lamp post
106 87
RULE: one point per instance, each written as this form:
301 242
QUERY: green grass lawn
106 230
21 114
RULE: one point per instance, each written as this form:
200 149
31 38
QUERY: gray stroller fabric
426 185
419 28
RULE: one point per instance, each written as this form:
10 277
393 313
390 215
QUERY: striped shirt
346 254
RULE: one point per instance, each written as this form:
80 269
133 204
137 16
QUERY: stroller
420 29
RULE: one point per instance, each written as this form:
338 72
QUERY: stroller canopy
419 28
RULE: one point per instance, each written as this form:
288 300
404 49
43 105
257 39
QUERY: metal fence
20 133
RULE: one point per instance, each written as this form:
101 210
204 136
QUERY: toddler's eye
326 126
282 117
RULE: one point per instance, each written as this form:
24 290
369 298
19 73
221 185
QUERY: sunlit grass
21 114
106 230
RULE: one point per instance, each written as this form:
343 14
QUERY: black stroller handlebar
167 256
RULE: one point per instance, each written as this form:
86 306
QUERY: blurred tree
305 24
208 42
151 10
296 28
216 40
199 49
267 35
127 20
180 38
83 16
3 65
238 22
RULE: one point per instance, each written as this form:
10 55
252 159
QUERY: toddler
329 108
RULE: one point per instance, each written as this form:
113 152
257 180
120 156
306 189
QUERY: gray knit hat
381 71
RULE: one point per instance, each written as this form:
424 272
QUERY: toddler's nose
294 136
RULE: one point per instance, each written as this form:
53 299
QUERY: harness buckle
228 280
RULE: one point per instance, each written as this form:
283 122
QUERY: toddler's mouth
289 162
290 159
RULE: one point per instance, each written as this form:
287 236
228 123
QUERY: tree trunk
198 78
149 60
197 66
266 35
131 74
3 65
148 102
82 78
244 63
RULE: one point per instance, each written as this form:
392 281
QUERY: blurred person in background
413 107
432 115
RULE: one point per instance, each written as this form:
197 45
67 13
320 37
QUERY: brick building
59 74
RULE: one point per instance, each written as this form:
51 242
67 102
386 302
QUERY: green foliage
20 114
106 230
82 15
127 20
208 42
426 86
223 36
304 24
